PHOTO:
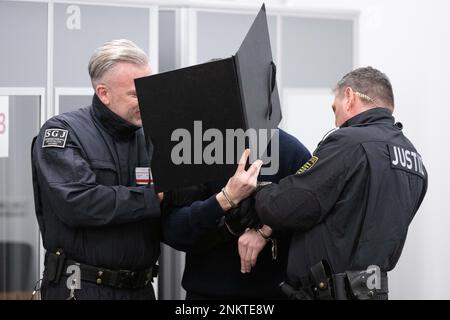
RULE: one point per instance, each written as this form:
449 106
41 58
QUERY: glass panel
172 263
316 52
167 41
18 226
23 35
71 103
79 29
220 34
319 119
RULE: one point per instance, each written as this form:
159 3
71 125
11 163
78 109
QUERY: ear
350 98
102 93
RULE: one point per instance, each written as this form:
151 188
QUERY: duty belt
322 284
56 265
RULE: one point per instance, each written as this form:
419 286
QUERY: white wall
409 40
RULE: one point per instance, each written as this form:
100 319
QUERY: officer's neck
113 124
376 114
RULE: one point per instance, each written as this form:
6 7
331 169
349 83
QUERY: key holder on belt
54 265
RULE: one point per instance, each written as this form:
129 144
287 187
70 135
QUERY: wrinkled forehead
125 73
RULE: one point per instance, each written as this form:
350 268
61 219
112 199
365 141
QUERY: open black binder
239 92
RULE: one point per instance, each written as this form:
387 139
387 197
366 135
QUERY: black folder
239 92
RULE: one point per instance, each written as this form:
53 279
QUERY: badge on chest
143 176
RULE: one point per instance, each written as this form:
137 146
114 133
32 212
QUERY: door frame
41 93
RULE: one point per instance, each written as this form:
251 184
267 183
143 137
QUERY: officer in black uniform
95 205
351 204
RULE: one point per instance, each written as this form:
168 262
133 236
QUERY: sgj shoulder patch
308 165
55 138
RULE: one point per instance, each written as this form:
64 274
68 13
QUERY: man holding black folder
194 116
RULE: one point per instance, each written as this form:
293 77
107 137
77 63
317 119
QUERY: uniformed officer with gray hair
97 210
351 204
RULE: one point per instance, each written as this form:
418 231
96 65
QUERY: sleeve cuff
151 202
208 211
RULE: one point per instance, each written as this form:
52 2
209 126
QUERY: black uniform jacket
352 203
87 199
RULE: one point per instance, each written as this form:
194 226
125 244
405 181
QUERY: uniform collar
113 124
370 116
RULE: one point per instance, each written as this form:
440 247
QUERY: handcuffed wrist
265 236
272 240
228 198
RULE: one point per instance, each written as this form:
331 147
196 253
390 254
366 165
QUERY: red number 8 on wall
2 123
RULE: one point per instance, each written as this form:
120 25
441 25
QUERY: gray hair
371 83
112 52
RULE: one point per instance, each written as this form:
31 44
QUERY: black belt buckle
134 279
127 279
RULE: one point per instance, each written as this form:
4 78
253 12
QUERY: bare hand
243 183
161 196
250 245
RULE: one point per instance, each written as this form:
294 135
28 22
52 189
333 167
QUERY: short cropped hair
369 82
112 52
